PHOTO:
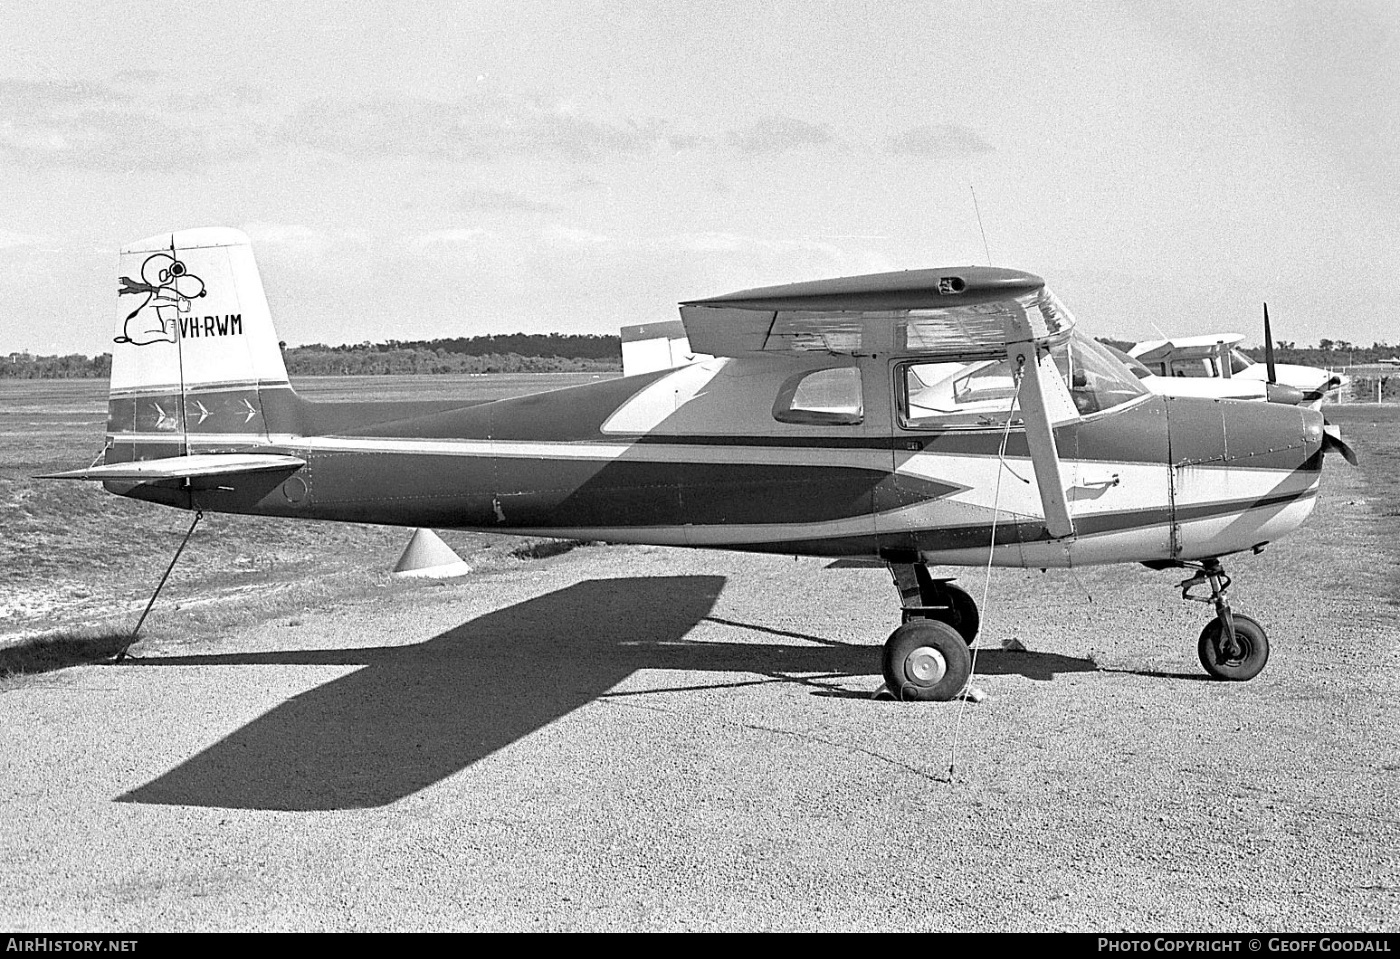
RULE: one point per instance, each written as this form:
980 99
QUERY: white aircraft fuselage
929 417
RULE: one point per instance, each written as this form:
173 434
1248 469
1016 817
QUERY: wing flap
184 467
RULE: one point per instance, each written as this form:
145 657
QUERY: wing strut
1045 456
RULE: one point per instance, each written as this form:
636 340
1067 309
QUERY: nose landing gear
1232 646
924 596
927 657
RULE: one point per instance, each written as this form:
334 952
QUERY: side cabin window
1200 366
950 395
821 398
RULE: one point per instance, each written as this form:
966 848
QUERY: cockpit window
1239 362
821 398
1133 364
1097 380
983 393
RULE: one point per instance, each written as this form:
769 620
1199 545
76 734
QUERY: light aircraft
1393 361
930 417
1218 362
1210 387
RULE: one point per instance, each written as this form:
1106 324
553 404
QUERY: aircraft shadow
415 715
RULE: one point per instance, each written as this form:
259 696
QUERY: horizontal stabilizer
185 467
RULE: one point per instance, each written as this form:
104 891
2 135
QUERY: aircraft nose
1247 435
1257 435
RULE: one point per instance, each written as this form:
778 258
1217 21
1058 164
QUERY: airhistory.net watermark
46 944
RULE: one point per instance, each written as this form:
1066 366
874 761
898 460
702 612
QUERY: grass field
76 558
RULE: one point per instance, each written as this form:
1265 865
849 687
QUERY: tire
926 660
962 615
1254 649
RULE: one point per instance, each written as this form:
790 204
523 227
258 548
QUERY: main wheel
962 613
926 660
1253 653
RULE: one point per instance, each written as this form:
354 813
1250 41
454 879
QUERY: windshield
1097 379
1239 362
1132 363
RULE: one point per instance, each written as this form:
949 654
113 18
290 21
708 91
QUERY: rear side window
821 398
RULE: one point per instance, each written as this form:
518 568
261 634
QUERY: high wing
1149 350
964 312
185 467
958 311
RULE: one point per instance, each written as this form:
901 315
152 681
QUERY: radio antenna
986 249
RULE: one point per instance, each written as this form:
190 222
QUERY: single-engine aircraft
936 417
1216 362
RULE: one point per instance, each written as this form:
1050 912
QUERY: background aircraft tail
656 346
195 357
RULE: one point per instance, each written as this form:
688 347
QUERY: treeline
75 366
579 346
375 361
1328 353
499 353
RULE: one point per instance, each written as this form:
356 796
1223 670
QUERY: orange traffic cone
427 556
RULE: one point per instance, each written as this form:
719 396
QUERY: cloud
294 239
145 120
452 239
775 134
939 139
29 101
688 141
10 240
140 75
487 200
557 233
481 126
96 127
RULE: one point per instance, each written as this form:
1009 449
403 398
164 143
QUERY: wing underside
971 310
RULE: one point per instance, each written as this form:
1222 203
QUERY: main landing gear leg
926 658
1232 646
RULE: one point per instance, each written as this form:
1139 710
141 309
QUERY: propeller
1275 391
1269 347
1332 441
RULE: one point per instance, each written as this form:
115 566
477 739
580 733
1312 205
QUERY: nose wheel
1232 646
1244 660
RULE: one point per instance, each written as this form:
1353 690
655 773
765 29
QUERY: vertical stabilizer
195 357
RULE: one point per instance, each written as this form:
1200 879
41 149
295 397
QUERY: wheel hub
925 666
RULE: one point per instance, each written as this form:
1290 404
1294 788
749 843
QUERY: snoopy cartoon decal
169 288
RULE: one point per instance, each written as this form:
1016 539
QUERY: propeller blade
1269 347
1332 442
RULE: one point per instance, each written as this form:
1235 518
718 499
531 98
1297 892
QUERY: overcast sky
419 170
